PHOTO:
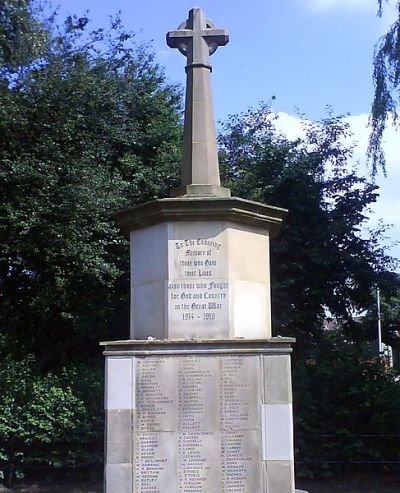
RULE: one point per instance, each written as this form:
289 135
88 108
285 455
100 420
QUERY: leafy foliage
390 312
90 127
23 36
347 407
87 126
48 419
321 259
386 78
390 309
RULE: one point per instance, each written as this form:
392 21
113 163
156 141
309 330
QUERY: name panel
198 421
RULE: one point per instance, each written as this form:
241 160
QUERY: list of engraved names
197 424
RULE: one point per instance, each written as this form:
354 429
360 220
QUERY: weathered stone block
118 478
119 435
280 477
277 379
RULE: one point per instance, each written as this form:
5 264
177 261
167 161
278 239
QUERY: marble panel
155 464
198 388
277 432
250 310
241 462
156 394
248 255
240 392
120 383
199 462
148 311
149 255
198 308
197 250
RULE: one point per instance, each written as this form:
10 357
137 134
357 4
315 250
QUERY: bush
347 408
52 420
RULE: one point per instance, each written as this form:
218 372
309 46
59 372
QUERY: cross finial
197 38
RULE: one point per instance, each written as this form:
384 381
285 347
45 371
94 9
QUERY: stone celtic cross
197 38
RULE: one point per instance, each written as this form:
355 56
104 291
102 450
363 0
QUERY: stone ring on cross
212 46
197 38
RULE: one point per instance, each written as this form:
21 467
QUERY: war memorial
199 399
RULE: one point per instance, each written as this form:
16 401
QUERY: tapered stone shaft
197 38
200 158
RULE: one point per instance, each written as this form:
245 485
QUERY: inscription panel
198 287
198 421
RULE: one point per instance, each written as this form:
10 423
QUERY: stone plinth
199 416
200 268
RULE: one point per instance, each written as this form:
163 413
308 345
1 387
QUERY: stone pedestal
200 268
210 416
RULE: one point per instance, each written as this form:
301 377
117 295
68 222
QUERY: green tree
48 419
23 33
346 408
386 78
390 310
389 293
321 260
90 127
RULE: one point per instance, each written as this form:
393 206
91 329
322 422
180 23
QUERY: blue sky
306 53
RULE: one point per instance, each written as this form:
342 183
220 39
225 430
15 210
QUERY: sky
307 54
